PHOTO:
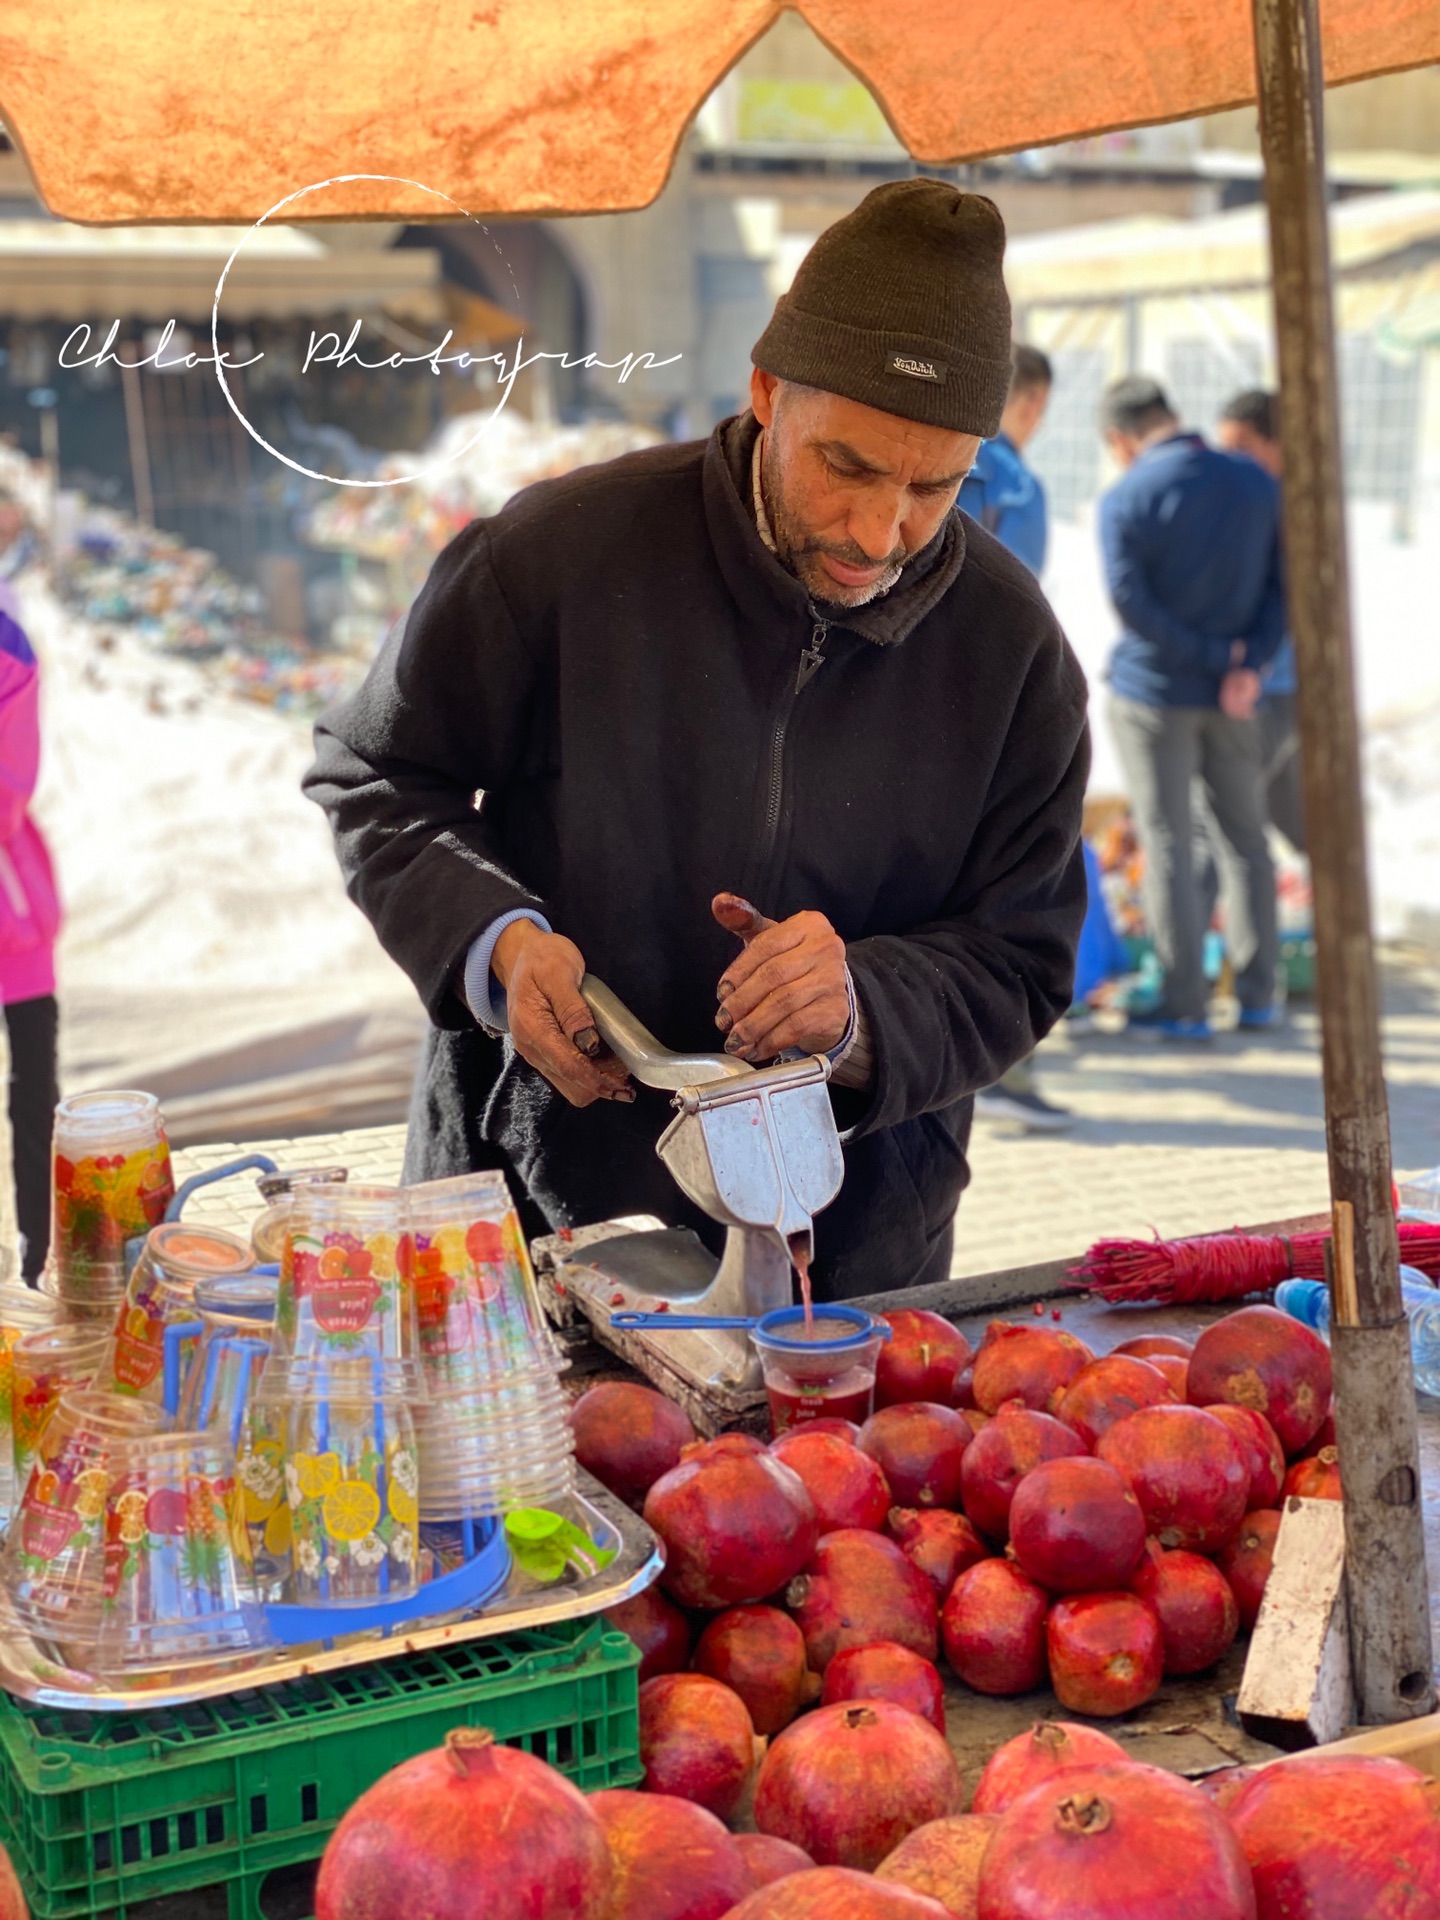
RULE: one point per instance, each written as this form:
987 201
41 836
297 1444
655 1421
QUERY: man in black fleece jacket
778 667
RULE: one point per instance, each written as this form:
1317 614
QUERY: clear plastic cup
43 1365
477 1305
177 1588
112 1183
22 1311
341 1295
823 1372
161 1290
53 1564
347 1452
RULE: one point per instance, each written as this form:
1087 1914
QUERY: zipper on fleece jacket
812 658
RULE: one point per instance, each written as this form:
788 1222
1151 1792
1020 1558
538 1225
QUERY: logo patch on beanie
917 369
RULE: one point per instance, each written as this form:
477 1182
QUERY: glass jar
112 1182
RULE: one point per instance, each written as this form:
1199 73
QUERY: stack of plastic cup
53 1564
43 1365
160 1291
177 1591
494 1432
335 1408
22 1311
112 1182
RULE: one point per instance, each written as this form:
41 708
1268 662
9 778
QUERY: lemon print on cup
352 1509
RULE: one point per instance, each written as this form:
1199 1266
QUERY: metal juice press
755 1148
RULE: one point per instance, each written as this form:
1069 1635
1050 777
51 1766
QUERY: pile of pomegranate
1030 1514
1062 1827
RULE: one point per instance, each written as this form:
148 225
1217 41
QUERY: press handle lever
641 1053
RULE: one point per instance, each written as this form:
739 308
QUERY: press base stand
613 1268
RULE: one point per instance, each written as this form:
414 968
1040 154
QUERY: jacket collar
763 587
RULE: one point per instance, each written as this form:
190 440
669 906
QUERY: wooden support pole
1374 1382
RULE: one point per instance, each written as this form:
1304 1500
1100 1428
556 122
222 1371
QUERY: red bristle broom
1224 1266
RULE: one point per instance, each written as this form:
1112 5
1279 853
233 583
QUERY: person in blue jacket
1008 499
1250 424
1001 491
1190 539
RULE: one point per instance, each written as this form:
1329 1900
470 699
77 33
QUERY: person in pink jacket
29 922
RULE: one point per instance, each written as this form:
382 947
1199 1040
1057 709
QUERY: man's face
852 493
1238 436
1024 411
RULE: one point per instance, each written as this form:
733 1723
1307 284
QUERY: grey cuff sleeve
482 990
852 1063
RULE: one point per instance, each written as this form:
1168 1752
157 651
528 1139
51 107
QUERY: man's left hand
1240 693
787 988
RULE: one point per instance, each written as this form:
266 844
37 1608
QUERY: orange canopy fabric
149 111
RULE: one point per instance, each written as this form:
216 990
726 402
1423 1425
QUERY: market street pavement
1186 1139
1182 1140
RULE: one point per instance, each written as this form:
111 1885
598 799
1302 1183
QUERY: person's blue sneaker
1187 1030
1271 1016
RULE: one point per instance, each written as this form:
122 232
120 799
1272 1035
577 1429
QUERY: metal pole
1374 1382
139 444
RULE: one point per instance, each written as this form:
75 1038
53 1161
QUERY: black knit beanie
902 305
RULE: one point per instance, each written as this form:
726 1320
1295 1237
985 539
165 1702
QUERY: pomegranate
1075 1526
658 1628
1324 1437
1106 1653
997 1460
12 1898
1186 1469
1246 1563
847 1783
920 1360
885 1671
835 1893
860 1588
1317 1478
919 1449
831 1423
736 1523
1194 1604
672 1860
1261 1358
1031 1364
1115 1843
1107 1390
994 1629
1030 1758
1264 1455
940 1543
759 1653
627 1436
1175 1371
1338 1838
770 1859
847 1487
697 1741
469 1826
1146 1345
942 1858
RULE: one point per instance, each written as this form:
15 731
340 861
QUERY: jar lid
108 1114
245 1296
191 1251
274 1186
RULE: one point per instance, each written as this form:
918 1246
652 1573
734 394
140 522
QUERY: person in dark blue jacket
1190 538
1008 499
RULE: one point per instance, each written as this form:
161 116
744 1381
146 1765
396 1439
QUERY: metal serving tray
35 1670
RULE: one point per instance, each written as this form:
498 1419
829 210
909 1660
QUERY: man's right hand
549 1021
1240 693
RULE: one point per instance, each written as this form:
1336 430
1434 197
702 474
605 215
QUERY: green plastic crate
214 1811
